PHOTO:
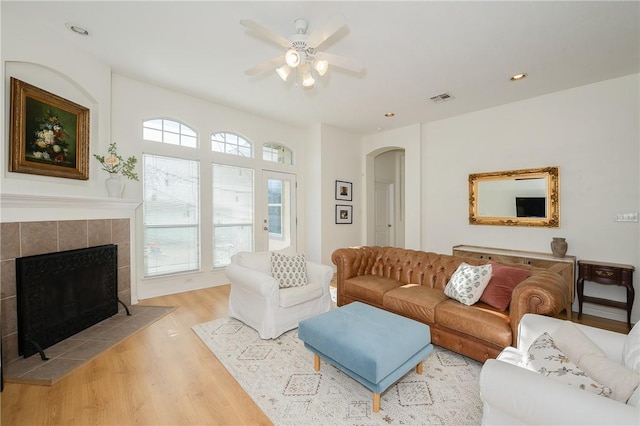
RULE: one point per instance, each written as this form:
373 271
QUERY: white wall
408 139
341 159
590 132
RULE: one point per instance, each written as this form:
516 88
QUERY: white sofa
257 300
513 395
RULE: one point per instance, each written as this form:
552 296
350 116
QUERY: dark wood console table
607 274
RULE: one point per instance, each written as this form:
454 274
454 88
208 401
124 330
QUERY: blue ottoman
373 346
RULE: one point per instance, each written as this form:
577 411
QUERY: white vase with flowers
117 166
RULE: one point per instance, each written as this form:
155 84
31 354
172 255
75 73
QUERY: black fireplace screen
60 294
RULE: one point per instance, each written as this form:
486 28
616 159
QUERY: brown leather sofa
379 276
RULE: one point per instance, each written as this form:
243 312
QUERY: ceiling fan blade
268 34
273 63
327 29
344 62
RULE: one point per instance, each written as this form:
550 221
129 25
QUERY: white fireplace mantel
28 208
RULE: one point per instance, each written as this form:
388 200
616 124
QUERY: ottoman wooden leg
419 368
316 362
376 402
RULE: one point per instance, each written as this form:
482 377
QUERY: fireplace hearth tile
88 349
120 332
91 333
64 346
58 367
81 347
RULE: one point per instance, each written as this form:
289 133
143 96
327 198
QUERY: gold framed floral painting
49 134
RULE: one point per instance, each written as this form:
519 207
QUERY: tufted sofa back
407 266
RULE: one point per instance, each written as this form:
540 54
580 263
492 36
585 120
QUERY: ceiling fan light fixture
292 58
518 76
283 72
307 78
321 65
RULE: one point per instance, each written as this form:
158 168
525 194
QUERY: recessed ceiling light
518 77
77 29
389 114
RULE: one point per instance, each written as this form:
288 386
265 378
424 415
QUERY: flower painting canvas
49 134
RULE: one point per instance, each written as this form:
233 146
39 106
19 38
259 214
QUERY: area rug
278 374
80 348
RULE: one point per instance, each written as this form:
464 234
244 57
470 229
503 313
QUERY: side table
607 274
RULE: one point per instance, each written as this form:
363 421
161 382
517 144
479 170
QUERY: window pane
232 144
274 188
186 131
189 141
228 240
168 131
171 214
170 250
232 211
171 138
153 124
152 135
277 153
171 126
275 220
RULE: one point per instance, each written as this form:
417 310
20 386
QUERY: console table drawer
605 274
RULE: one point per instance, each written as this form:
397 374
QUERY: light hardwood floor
164 375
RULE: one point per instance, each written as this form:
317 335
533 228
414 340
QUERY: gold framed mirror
528 197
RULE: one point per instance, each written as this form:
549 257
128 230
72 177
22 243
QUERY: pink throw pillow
503 280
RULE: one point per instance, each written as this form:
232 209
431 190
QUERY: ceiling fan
303 52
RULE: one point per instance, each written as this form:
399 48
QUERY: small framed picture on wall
344 191
344 214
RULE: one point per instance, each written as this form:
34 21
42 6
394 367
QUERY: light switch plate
626 217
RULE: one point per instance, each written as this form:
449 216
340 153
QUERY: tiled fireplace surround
19 239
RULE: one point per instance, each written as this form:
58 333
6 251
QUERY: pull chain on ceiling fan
302 51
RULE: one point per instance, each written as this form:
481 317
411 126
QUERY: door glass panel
280 222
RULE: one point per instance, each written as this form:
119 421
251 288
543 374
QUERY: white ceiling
411 52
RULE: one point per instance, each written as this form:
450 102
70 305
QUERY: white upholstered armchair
513 395
257 299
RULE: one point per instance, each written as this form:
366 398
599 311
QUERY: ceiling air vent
441 97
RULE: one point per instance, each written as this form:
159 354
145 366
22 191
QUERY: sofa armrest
532 326
348 261
253 281
535 399
320 274
543 293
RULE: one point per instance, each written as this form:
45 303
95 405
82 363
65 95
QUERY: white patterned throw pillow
468 282
289 271
544 357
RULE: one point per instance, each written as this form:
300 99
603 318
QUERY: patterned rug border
278 375
35 371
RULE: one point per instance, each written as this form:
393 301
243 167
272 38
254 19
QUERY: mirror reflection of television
531 207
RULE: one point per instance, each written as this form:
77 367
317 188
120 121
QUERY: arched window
169 132
230 143
277 153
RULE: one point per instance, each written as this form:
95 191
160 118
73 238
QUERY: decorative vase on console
559 246
115 165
